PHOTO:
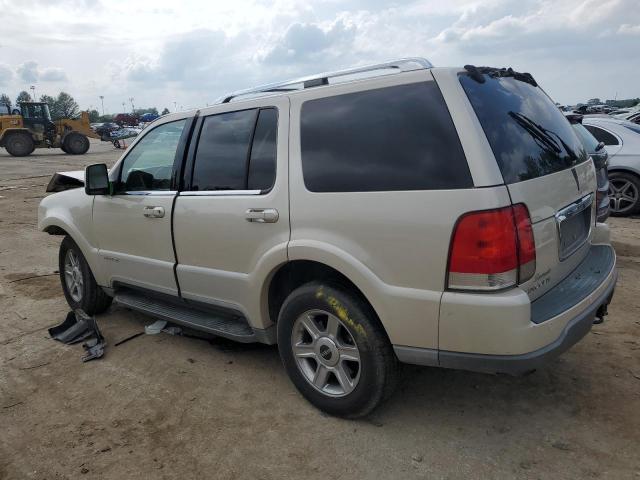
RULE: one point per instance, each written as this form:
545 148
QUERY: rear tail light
492 249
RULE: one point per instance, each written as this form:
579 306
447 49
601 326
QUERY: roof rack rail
401 65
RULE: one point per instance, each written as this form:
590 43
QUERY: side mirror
96 180
600 146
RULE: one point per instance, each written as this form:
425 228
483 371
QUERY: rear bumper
502 336
577 328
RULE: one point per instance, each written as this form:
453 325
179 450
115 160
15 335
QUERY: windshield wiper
537 132
544 134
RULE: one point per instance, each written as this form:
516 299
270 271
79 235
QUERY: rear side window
602 135
223 147
528 134
262 162
388 139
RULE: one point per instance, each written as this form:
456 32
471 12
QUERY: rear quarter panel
393 245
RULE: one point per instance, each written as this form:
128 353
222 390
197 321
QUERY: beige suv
393 213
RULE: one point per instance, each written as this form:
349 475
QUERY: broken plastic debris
155 327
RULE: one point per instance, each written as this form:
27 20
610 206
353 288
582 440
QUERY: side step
232 327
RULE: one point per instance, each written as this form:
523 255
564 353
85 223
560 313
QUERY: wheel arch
295 273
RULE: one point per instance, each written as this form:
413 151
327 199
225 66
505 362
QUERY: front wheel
78 284
335 351
76 144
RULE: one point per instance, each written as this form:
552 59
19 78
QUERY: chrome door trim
219 193
154 193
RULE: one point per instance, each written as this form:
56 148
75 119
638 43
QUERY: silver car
622 139
393 213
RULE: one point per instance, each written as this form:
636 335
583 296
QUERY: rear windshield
528 134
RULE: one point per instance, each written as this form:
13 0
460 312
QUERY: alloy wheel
325 352
73 275
623 195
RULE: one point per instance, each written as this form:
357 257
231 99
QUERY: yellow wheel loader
28 127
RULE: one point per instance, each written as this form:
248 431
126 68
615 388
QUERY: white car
397 212
622 139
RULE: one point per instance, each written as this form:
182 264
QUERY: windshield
529 136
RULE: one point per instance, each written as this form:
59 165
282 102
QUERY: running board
228 326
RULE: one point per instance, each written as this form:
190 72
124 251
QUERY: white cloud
6 74
193 52
29 72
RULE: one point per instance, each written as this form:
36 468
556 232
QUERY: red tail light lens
490 249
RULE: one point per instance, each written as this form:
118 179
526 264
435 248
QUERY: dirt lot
169 407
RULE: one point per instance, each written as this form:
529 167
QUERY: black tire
377 366
76 144
64 148
93 300
20 144
619 206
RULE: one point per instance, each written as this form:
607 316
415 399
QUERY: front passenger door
133 226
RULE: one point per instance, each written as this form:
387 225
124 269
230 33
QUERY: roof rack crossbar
401 65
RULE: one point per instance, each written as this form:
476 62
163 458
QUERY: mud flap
79 326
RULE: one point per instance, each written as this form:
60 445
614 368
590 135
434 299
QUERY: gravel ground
168 407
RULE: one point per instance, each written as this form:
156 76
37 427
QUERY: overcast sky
191 52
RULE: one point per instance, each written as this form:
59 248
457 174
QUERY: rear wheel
78 284
20 144
624 193
335 350
76 144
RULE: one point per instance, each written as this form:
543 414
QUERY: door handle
262 215
153 212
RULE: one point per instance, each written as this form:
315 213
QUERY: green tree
23 96
5 100
105 118
94 116
49 100
165 111
66 106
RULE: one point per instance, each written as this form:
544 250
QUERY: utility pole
102 101
175 107
33 92
123 110
133 109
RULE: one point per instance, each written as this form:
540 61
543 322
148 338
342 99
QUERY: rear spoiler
66 181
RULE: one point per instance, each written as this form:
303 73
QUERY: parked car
148 117
398 212
127 119
106 129
622 139
599 155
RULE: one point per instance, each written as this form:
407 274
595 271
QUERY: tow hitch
600 314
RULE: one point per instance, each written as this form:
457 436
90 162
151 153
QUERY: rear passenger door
231 220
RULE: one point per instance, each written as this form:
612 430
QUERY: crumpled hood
61 181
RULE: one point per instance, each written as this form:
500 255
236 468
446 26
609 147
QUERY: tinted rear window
602 135
394 138
528 134
221 157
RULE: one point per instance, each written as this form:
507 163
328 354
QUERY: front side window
602 135
149 165
387 139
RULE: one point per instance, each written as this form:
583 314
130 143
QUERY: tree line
65 106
